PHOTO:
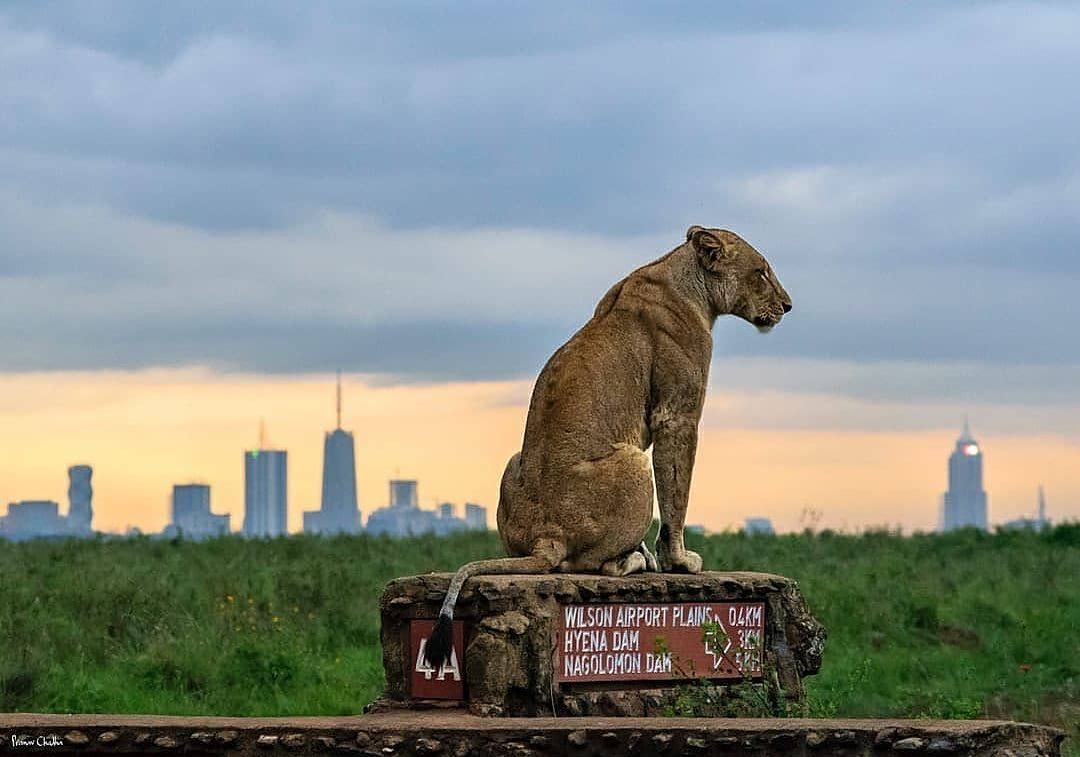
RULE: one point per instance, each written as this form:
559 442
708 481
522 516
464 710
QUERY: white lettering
657 663
625 640
451 667
573 616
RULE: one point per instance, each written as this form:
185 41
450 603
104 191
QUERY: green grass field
957 626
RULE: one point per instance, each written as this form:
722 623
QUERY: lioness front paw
684 562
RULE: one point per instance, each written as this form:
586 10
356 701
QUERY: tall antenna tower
262 434
339 398
1042 507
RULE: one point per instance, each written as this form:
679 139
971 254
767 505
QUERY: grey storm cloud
434 191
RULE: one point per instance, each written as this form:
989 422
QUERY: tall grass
965 624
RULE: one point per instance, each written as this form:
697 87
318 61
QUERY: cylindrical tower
80 497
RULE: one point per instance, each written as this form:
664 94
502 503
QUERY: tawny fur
579 495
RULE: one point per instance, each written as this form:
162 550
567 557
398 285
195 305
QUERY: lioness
579 495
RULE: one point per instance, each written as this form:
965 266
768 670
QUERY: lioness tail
439 646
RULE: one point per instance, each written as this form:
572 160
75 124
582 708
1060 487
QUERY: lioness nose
787 307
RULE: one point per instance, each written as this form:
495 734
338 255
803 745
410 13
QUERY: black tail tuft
441 644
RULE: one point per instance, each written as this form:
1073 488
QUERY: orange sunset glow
143 431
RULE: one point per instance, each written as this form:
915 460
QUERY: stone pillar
560 644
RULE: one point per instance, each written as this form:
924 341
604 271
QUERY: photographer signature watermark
24 742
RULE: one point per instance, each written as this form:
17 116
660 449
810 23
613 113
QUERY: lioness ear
710 249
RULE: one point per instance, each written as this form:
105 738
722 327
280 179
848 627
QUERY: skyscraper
265 495
80 495
965 501
339 513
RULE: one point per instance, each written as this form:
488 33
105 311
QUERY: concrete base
510 666
455 733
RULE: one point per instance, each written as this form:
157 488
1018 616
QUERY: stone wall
511 625
456 734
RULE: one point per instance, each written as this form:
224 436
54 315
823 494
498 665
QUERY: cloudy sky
207 208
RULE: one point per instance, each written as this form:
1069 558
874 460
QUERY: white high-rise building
265 492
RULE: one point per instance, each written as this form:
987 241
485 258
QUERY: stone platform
456 733
571 645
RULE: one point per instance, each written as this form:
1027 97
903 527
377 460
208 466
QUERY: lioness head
738 278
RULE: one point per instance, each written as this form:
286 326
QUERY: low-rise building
758 526
33 519
191 516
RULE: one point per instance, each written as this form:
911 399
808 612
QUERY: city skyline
806 481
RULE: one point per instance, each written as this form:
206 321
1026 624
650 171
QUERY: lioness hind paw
651 563
625 565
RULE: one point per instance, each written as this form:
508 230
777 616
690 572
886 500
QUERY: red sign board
654 642
448 681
